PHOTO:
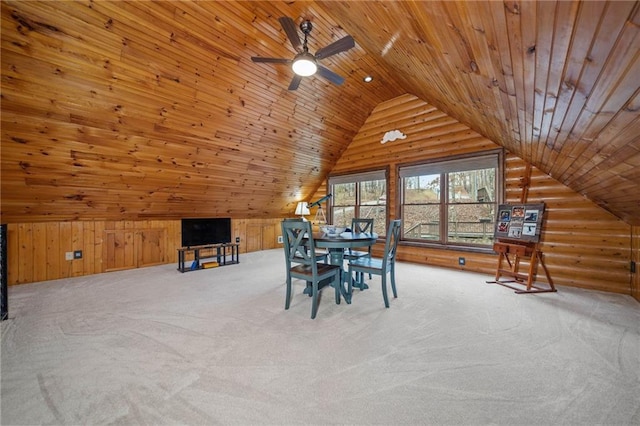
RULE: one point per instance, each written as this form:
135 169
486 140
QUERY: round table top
345 240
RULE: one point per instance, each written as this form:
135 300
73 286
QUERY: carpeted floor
154 346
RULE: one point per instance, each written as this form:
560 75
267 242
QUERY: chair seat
319 257
307 271
355 254
366 264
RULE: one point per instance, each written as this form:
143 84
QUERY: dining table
336 244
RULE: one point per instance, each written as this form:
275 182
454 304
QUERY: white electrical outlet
279 239
68 255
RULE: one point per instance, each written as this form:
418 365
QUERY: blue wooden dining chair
301 261
358 225
382 267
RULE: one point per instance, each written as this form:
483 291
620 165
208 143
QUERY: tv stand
224 254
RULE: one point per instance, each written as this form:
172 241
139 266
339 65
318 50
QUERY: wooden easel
519 250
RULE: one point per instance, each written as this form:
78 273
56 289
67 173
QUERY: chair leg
384 290
360 280
337 285
287 295
350 284
393 281
314 300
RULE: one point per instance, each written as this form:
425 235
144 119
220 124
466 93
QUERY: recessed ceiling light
367 79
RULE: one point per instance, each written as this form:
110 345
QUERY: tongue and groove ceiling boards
130 110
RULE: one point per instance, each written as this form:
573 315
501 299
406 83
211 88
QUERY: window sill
450 247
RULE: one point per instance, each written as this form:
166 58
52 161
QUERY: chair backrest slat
298 242
391 245
361 225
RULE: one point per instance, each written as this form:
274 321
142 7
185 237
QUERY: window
360 195
451 202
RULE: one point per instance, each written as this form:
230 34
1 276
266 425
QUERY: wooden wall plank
77 242
54 256
25 251
39 246
66 245
88 248
635 257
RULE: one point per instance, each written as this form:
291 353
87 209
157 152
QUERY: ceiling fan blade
291 30
341 45
330 75
295 82
271 60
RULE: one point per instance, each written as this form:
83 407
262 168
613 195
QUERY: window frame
446 165
358 177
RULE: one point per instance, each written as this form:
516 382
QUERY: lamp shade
304 65
302 209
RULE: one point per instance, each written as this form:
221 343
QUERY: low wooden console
224 254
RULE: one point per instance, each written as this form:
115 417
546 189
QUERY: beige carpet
154 346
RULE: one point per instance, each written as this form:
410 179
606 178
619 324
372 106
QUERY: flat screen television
202 232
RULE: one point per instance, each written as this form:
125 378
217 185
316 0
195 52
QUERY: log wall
583 245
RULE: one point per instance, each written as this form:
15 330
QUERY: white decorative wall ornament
392 135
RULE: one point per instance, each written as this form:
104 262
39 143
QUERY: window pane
342 215
472 186
372 192
422 222
379 215
373 200
344 194
421 189
471 224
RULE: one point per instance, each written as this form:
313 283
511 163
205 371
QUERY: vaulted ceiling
127 110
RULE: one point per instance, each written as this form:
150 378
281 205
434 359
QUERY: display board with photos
519 222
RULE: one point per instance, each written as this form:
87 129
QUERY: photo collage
519 222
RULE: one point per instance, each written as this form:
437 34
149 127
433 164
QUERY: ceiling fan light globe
304 65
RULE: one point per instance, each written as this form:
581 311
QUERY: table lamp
302 209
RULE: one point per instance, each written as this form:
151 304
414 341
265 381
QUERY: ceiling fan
305 64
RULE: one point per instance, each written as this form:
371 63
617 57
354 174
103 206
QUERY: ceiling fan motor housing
306 27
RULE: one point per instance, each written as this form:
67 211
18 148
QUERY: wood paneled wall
36 251
583 245
635 257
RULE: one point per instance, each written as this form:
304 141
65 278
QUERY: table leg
336 257
360 283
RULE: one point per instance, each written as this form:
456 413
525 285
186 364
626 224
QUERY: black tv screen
202 232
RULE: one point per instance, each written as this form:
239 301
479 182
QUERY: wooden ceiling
131 110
